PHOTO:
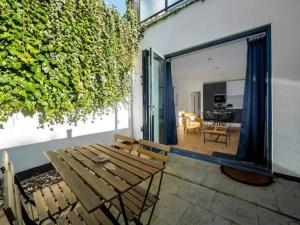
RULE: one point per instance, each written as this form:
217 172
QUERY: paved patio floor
197 193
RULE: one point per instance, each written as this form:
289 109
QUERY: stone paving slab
282 196
287 194
183 167
234 209
196 194
263 196
190 203
267 217
195 215
219 182
171 208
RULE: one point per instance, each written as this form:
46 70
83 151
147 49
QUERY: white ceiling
226 62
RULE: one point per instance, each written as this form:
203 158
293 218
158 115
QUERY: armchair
192 124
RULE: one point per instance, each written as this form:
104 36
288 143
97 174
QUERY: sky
119 4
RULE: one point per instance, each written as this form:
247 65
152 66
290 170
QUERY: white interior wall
218 64
214 19
185 89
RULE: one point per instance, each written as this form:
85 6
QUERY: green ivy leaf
64 60
5 35
3 119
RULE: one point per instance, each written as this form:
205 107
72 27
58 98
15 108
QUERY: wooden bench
123 142
137 199
49 204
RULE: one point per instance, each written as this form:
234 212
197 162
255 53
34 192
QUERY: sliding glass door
156 97
153 85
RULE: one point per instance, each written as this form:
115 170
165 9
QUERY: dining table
114 179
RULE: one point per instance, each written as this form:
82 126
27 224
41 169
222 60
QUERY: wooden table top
96 183
216 129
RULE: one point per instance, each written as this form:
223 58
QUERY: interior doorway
196 102
219 72
229 99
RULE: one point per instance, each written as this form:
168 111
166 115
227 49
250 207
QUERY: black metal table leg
106 211
123 210
157 196
146 195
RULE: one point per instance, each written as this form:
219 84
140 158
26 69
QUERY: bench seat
133 201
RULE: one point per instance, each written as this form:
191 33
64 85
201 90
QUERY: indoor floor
194 141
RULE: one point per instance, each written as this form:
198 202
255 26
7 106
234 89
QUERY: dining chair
158 153
52 205
123 142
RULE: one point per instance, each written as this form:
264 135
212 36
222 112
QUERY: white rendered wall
214 19
25 143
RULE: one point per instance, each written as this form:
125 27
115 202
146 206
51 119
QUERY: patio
95 73
195 192
209 197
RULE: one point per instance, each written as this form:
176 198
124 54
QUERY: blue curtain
170 132
252 137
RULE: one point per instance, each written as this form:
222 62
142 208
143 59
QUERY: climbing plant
64 59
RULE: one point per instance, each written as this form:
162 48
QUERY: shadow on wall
29 156
286 173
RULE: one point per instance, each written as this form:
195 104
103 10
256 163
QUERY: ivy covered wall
64 59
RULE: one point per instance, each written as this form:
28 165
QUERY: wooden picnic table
112 181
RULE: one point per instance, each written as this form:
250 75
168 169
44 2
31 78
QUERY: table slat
112 168
145 161
62 202
91 179
139 197
85 194
133 162
67 192
52 206
143 193
75 220
41 207
142 174
62 220
88 218
129 214
102 217
104 174
138 202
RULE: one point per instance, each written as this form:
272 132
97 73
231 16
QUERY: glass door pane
156 95
171 2
150 7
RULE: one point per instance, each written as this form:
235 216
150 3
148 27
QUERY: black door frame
227 162
145 83
147 129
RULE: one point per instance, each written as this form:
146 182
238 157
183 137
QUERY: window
150 8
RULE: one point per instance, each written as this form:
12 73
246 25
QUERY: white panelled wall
214 19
